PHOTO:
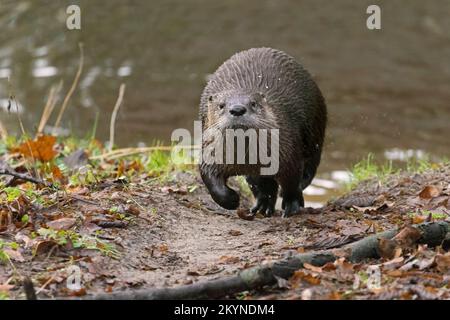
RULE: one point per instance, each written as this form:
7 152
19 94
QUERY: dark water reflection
385 89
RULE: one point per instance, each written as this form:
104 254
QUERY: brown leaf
43 247
133 210
62 224
429 192
302 276
164 248
77 293
312 268
387 248
334 296
235 233
329 266
245 214
393 264
57 174
443 262
344 265
408 237
229 259
40 149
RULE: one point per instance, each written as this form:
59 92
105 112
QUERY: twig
125 152
71 90
114 116
85 200
49 107
3 131
25 177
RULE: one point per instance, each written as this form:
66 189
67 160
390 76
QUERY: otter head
239 110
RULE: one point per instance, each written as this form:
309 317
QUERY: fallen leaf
77 293
229 259
62 224
419 219
429 192
40 149
443 262
408 237
164 248
235 233
43 247
334 296
344 265
245 214
57 173
133 210
302 276
393 264
312 268
387 248
329 266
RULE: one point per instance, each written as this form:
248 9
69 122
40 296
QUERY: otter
265 88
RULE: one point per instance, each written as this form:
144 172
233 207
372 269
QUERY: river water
388 90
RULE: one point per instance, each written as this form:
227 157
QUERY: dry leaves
41 149
62 224
429 192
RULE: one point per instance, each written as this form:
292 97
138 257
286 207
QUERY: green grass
369 168
434 215
243 186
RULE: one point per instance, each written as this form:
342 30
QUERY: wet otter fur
264 88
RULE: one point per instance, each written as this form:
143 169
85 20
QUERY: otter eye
222 105
210 98
253 104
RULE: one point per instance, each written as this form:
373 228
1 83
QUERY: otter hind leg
265 191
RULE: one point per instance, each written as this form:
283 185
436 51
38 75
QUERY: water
388 91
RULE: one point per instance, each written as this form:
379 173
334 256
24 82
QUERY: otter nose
238 110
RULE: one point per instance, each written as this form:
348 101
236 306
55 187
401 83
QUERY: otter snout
238 110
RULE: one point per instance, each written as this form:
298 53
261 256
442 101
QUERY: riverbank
138 221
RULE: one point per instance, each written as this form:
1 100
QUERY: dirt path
178 235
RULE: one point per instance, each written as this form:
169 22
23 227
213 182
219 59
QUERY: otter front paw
223 195
226 197
265 204
265 191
